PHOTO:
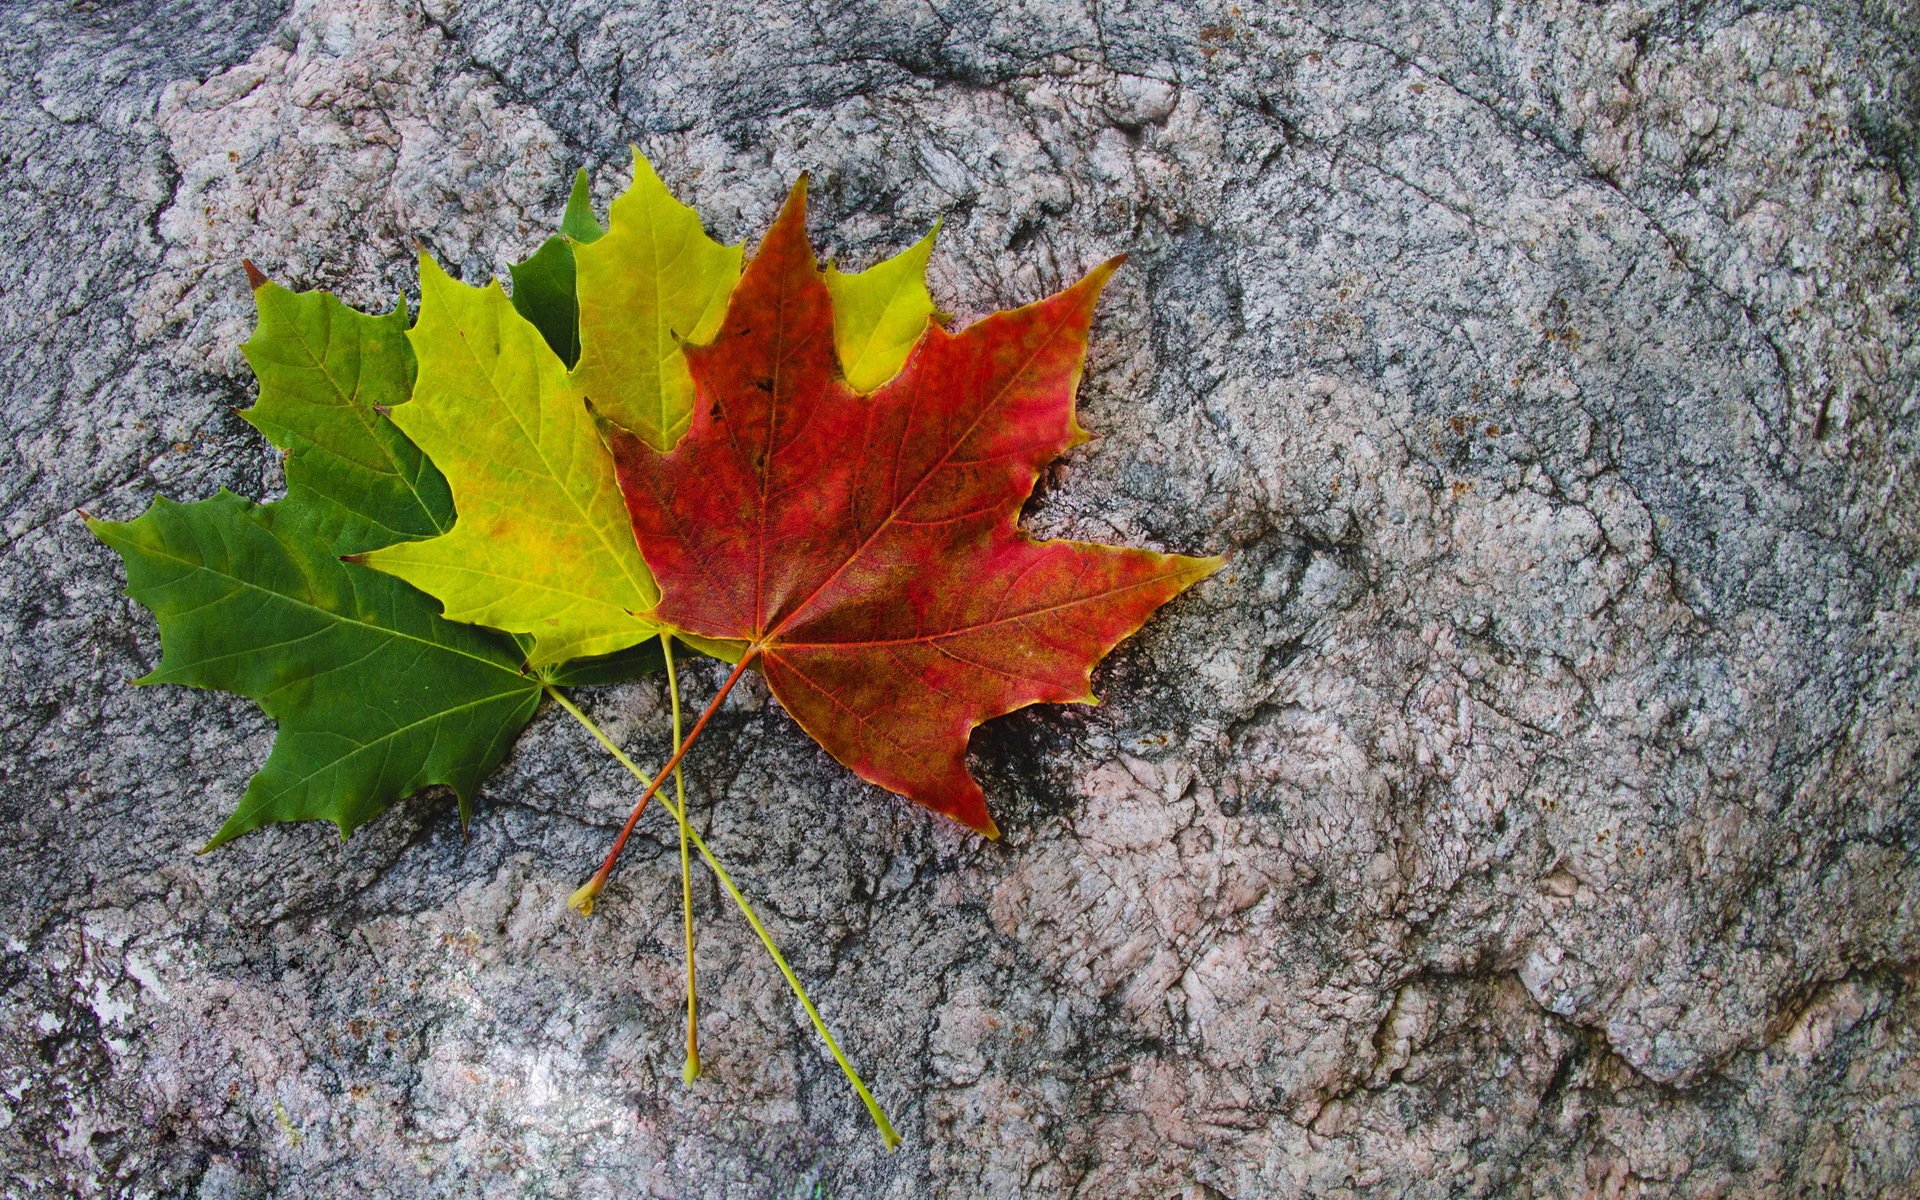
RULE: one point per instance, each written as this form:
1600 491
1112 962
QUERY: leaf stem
887 1134
583 899
691 1071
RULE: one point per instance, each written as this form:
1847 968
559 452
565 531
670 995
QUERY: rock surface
1530 808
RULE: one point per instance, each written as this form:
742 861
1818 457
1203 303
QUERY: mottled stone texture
1529 809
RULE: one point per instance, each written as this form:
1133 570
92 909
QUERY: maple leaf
375 695
326 371
543 282
865 548
542 546
654 281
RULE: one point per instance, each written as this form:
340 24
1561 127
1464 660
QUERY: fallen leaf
866 547
654 281
541 545
375 695
543 283
879 313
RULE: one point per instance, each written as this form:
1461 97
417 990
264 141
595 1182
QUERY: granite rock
1530 808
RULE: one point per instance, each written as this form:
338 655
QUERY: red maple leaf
866 547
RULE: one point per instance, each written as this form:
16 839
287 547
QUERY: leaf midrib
902 503
248 585
369 425
626 567
1000 619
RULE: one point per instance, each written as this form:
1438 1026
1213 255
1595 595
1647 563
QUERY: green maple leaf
375 694
543 283
326 372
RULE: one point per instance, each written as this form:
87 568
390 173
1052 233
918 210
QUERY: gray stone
1529 809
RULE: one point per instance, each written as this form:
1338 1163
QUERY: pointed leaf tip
793 213
578 220
604 425
256 278
1099 277
787 237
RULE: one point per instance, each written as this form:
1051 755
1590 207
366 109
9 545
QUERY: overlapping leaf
542 545
865 547
654 281
544 283
375 695
325 373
